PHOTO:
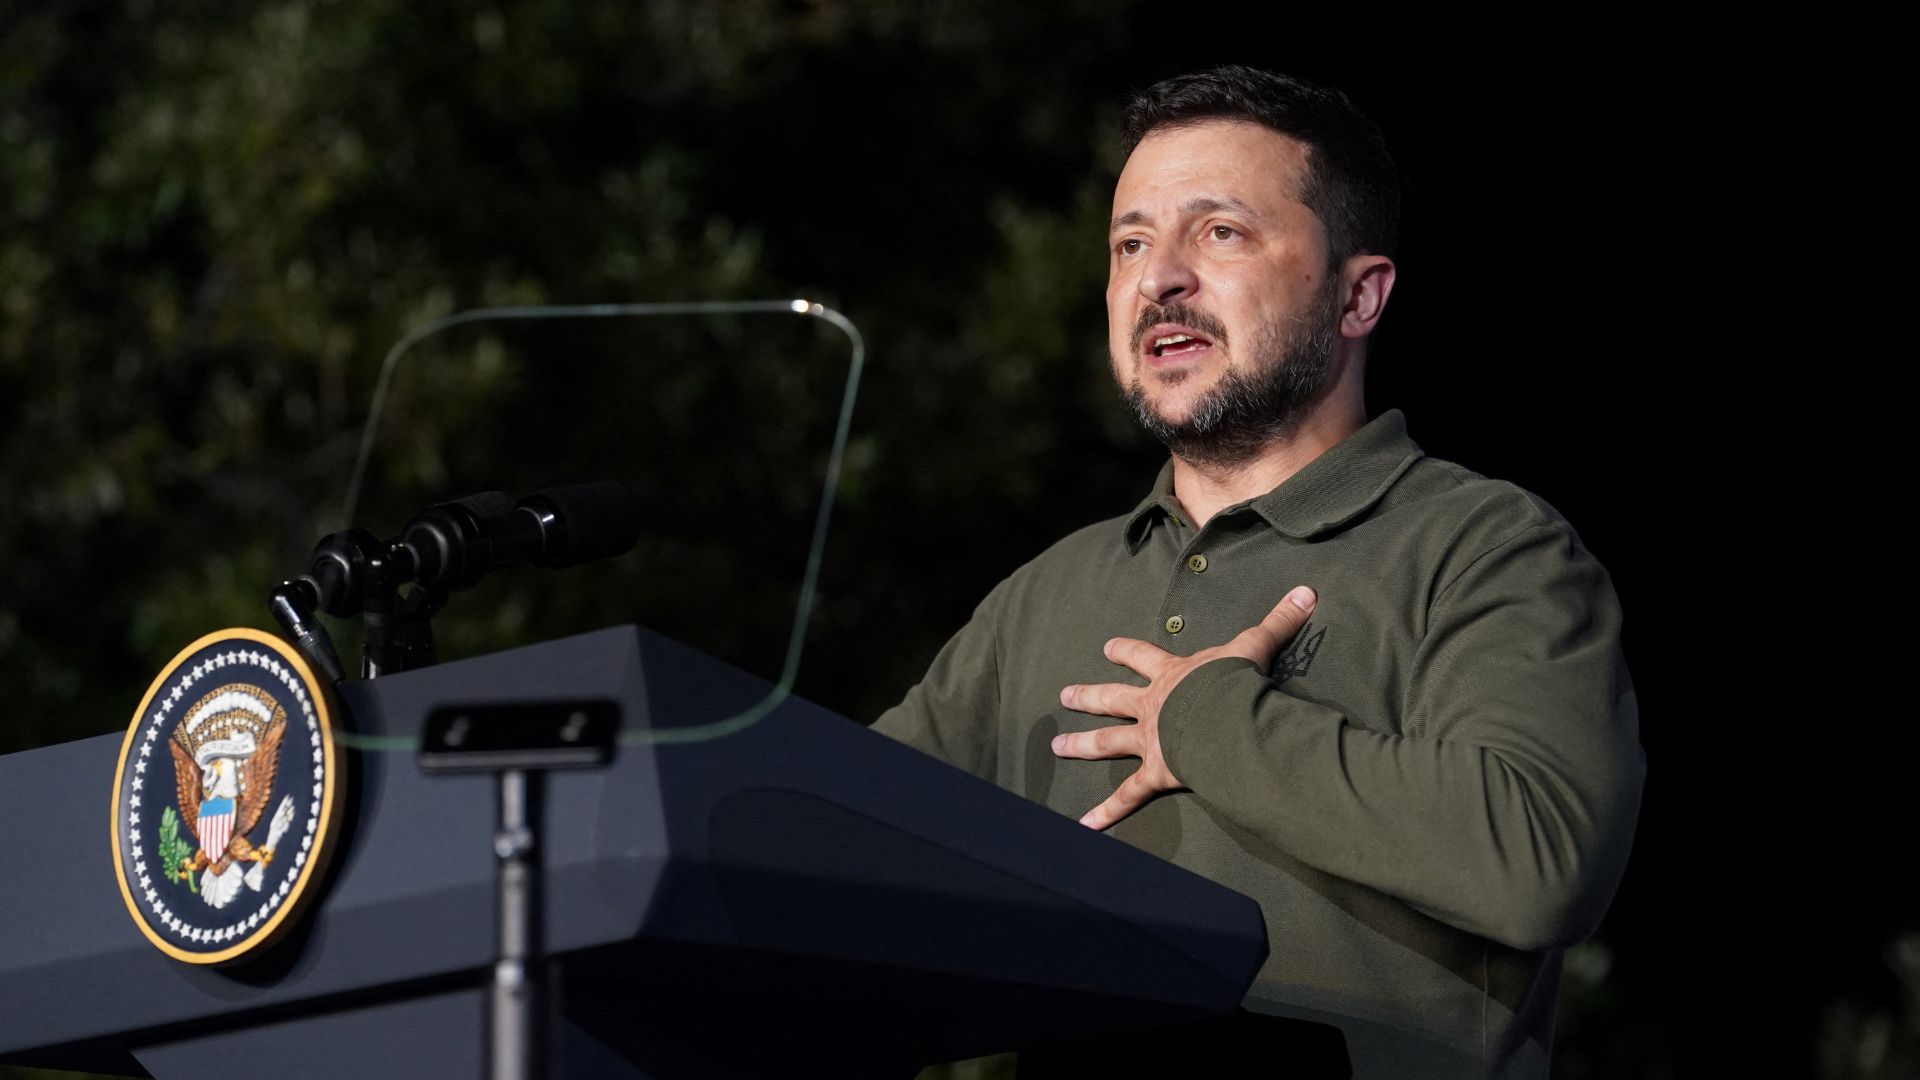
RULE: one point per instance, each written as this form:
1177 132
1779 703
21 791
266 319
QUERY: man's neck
1204 490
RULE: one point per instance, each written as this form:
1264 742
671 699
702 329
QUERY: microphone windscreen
487 505
589 521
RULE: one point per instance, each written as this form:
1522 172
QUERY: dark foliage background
215 217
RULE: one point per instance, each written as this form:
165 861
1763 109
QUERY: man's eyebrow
1204 204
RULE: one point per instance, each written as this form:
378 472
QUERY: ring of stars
240 921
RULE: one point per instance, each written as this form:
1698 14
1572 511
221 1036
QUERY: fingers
1131 795
1143 657
1103 699
1262 641
1099 744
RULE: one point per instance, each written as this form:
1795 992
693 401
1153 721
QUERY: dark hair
1351 184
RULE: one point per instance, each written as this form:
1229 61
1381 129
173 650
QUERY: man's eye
1224 232
1129 247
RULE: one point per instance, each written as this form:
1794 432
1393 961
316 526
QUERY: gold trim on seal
283 917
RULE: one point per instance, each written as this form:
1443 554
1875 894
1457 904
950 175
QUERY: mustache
1177 312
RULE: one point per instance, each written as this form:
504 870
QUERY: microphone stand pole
519 742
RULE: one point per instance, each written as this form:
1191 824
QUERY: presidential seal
225 797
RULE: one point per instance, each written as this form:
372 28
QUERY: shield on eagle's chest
215 827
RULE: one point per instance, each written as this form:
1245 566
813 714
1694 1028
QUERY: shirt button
1197 563
1175 623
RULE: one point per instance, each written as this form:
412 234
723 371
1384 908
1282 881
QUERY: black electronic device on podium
798 895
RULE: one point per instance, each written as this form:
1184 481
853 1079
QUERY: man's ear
1366 281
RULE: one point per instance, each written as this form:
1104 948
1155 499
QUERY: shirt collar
1333 489
1158 503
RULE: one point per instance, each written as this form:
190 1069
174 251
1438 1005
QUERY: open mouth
1173 342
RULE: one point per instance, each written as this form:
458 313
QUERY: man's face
1222 313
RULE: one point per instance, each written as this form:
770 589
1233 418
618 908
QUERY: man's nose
1168 275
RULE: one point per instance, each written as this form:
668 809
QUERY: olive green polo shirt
1431 793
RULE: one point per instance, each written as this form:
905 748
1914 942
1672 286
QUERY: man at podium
1377 692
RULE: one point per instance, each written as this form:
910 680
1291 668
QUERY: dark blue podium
802 895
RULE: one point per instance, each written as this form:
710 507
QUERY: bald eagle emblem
224 756
226 798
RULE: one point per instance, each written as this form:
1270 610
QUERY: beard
1290 373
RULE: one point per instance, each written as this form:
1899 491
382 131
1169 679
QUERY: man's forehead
1209 165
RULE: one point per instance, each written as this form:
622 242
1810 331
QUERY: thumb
1262 641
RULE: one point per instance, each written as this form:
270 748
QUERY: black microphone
454 544
446 547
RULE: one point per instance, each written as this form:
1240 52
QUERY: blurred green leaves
214 217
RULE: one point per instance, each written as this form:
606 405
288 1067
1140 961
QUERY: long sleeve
953 713
1506 807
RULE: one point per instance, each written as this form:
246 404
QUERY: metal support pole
519 742
517 1047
